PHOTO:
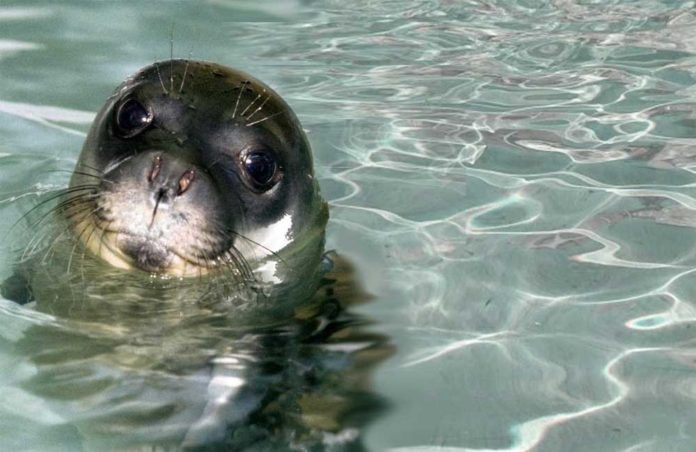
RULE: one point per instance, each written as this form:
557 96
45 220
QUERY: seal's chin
148 255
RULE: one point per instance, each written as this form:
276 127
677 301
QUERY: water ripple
516 179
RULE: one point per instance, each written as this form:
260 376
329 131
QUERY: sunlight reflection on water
513 179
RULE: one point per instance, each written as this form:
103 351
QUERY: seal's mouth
131 251
149 256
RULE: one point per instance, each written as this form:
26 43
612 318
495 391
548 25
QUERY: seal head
191 167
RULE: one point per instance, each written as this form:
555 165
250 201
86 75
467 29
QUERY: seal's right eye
261 169
132 118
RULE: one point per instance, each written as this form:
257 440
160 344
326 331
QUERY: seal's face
192 166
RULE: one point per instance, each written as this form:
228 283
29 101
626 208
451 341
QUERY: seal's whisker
76 201
102 241
73 205
70 213
89 167
232 256
220 230
219 279
79 213
262 120
159 75
36 243
87 226
248 271
92 228
72 190
236 259
33 222
171 60
78 241
242 87
50 249
97 174
33 245
207 255
38 238
258 96
70 258
37 230
82 173
255 243
183 78
91 172
259 107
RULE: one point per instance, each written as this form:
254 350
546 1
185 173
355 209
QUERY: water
513 181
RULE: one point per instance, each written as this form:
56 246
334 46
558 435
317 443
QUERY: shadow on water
126 362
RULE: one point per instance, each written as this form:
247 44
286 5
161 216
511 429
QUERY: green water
513 181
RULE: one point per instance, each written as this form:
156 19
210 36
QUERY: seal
193 207
190 170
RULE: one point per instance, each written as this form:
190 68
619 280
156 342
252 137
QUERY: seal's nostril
156 167
185 181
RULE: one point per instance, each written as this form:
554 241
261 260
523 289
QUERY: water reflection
129 361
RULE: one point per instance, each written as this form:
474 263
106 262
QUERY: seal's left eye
132 117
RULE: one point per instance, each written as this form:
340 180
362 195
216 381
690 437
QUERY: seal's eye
132 118
261 169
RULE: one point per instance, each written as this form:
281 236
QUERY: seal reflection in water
186 257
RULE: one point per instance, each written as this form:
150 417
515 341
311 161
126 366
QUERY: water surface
513 180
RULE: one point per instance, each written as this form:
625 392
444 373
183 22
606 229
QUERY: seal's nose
168 182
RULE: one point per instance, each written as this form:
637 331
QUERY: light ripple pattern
515 180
